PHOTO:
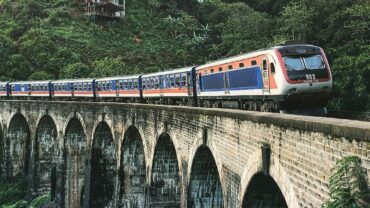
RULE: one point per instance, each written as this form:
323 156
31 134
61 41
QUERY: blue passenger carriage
169 86
31 89
78 88
118 87
4 89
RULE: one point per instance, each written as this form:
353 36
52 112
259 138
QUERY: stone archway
45 156
2 171
165 182
132 170
263 192
103 167
74 164
17 147
204 187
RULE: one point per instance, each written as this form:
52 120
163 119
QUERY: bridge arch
45 151
165 179
205 188
2 144
132 171
75 161
103 166
17 146
278 180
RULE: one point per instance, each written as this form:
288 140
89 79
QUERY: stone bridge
90 154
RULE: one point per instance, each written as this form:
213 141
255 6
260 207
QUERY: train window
156 83
75 87
80 86
135 84
13 88
129 84
254 62
184 79
177 80
220 69
143 83
171 81
230 67
168 81
264 64
241 65
272 67
212 70
123 84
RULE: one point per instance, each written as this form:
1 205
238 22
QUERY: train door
265 76
188 83
115 86
161 85
226 82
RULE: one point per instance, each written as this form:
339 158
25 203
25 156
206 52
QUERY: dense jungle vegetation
39 39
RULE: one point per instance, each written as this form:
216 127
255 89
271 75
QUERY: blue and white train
282 78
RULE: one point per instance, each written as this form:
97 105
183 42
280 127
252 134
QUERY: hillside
40 40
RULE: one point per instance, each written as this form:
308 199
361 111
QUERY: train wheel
207 104
267 106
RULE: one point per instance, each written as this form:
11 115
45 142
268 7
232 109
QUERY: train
285 78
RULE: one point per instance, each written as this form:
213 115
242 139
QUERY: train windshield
306 62
299 66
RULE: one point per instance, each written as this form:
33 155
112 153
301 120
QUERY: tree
296 20
107 67
348 185
245 29
76 70
40 75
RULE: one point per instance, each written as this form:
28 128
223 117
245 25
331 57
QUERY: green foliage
39 39
110 67
18 204
12 190
296 20
76 70
348 185
40 201
40 75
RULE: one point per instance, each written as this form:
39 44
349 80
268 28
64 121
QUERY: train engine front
307 79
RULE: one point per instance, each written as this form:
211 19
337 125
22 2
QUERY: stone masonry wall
303 150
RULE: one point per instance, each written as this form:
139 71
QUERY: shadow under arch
17 146
205 188
132 172
103 166
46 149
263 191
74 164
165 178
